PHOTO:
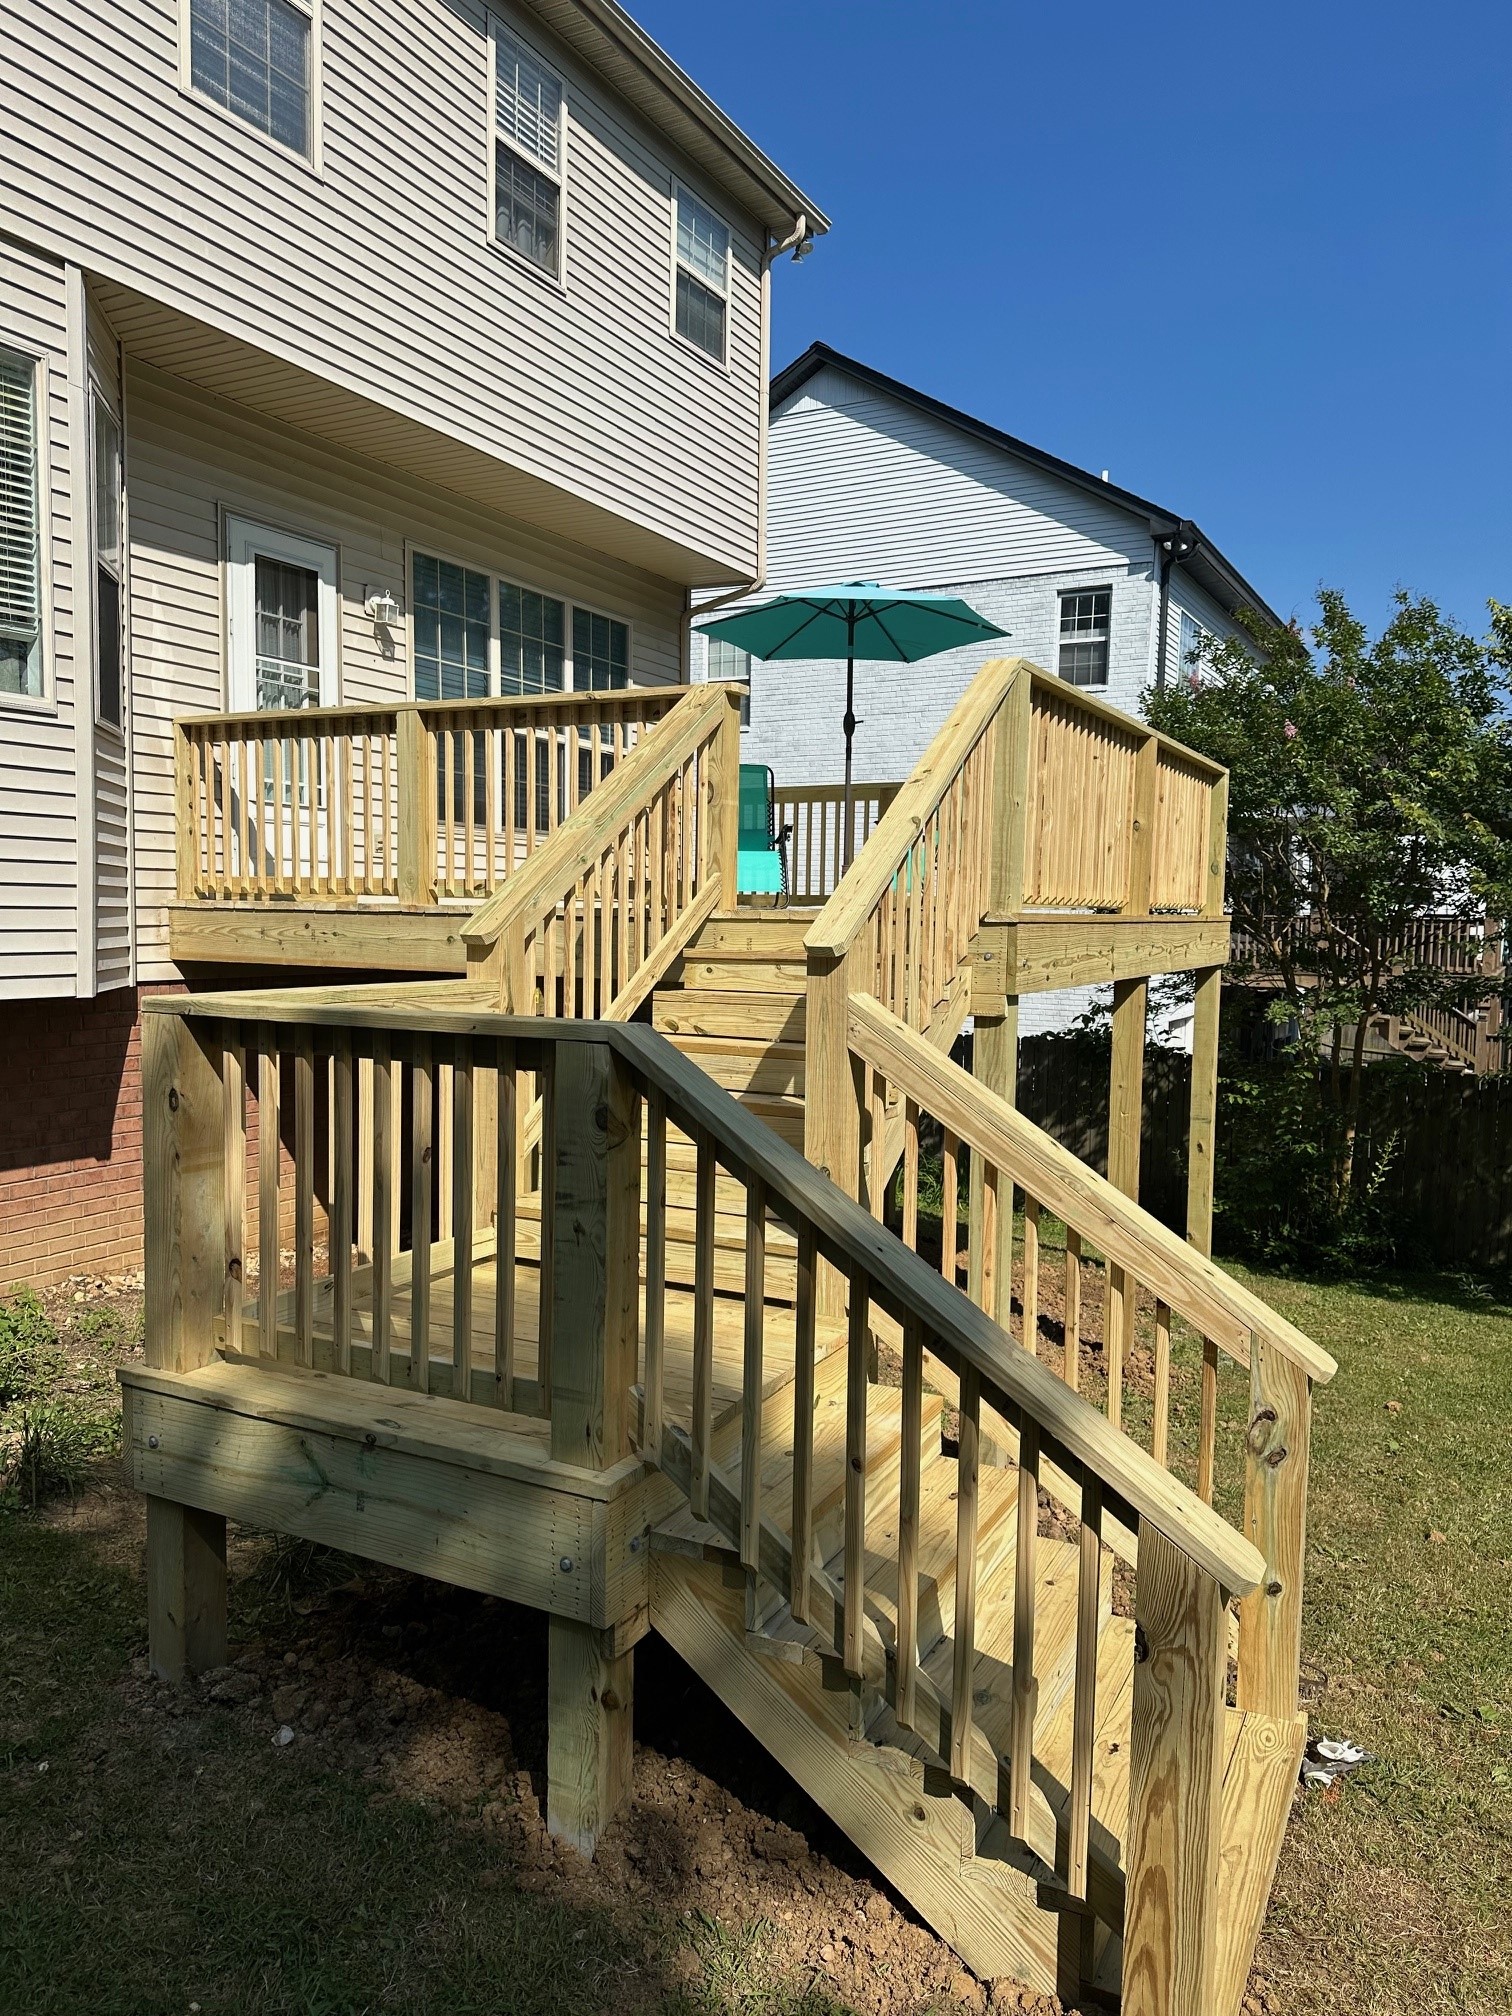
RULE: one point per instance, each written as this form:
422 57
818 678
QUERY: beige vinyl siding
112 794
377 273
192 463
38 786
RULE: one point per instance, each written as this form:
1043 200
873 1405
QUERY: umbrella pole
847 836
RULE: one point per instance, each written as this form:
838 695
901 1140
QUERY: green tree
1370 787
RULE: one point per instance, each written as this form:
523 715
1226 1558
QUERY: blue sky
1252 261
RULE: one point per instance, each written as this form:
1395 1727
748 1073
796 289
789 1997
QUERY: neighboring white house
872 480
349 350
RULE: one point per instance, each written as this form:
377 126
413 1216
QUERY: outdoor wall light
380 605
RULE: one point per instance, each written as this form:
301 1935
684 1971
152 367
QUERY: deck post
724 802
1202 1125
594 1284
185 1260
832 1111
995 1044
1175 1785
1275 1519
415 750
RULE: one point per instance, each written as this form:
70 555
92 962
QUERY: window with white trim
532 641
728 661
253 57
110 570
600 652
527 153
1085 631
703 276
20 530
1194 642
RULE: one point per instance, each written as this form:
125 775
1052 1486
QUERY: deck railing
599 1318
592 922
417 804
1112 1249
813 816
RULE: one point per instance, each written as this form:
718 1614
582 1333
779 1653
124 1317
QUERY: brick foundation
71 1137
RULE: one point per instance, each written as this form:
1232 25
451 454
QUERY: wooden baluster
275 814
591 978
546 1092
656 1271
1121 1291
751 1394
909 1469
703 1324
963 1659
470 746
462 1218
1207 1433
490 743
1160 1431
505 1178
384 1195
1084 1705
803 1420
570 909
857 1366
325 751
347 825
1025 1698
422 1123
234 1180
911 1175
268 1124
1031 1274
343 1112
876 1184
304 1197
950 1204
1071 1365
227 818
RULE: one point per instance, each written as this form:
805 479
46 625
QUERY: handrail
561 863
1186 1280
885 854
1134 1485
630 700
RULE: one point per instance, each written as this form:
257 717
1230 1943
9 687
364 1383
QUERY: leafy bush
53 1453
1276 1198
29 1353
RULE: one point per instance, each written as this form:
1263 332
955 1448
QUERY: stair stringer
904 1816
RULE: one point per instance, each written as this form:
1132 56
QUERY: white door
282 607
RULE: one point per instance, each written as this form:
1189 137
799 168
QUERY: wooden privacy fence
1436 1145
418 804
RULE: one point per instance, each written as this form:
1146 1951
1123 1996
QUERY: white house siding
38 782
192 463
1200 606
373 268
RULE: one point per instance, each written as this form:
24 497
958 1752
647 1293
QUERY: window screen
600 652
1085 614
20 541
253 57
703 275
527 153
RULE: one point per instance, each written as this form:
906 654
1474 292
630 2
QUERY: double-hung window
1085 620
1194 643
20 530
254 57
728 661
703 276
527 153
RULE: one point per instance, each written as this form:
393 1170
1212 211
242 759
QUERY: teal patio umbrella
855 620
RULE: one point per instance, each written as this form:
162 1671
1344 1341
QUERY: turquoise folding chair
761 865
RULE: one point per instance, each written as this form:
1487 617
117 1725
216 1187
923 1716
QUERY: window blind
20 542
529 102
703 243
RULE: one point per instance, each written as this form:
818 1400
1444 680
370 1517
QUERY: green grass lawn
163 1855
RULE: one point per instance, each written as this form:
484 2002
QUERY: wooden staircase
987 1617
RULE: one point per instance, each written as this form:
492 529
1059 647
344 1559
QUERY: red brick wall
70 1137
